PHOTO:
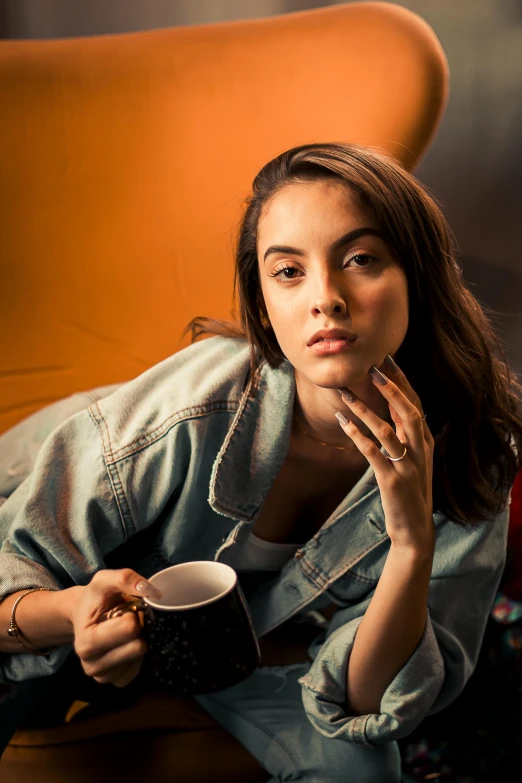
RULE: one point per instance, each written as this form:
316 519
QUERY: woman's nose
327 297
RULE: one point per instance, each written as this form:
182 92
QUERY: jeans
265 713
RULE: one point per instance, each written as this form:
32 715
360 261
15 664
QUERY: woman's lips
337 345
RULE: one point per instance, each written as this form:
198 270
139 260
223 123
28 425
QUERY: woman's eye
288 273
286 269
364 257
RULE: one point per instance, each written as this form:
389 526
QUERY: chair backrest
125 161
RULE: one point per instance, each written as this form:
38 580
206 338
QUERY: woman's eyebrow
349 237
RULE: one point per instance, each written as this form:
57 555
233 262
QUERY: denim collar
255 448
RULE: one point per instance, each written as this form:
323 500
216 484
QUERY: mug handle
136 604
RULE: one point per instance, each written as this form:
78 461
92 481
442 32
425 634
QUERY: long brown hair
451 354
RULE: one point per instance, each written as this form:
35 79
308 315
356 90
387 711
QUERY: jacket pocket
350 588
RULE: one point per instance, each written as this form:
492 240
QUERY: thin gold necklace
339 448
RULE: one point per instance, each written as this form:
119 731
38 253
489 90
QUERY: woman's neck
315 408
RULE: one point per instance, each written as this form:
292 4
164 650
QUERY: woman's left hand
406 485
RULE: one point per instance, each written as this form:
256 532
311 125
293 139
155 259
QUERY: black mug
199 633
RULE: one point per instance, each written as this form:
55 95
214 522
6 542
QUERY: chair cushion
134 734
150 711
203 756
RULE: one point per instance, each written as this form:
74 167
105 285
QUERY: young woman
349 449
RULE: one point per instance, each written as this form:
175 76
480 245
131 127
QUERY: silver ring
398 458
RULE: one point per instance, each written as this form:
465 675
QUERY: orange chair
125 160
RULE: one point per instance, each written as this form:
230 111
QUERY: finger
124 582
111 675
105 664
119 675
133 604
392 371
107 588
96 640
381 466
411 416
383 432
115 676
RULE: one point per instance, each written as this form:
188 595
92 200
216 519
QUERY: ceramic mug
199 633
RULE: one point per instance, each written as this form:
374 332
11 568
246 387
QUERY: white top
259 555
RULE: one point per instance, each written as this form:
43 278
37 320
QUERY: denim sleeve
19 445
56 527
466 572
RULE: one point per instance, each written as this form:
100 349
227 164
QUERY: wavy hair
451 354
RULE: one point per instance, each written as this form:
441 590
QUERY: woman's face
313 277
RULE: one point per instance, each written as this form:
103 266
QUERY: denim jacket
174 466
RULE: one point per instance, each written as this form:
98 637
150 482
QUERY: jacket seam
362 732
316 575
242 404
156 434
355 577
363 500
357 725
324 695
115 480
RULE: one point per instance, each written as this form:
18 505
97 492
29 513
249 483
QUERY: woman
349 447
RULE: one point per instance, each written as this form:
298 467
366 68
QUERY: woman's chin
336 380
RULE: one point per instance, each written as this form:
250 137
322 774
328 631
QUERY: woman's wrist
68 599
43 619
417 551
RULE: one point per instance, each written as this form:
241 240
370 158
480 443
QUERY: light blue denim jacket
175 466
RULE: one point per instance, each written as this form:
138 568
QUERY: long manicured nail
390 366
346 394
340 418
378 377
148 590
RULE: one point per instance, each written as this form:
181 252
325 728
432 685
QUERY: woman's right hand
110 651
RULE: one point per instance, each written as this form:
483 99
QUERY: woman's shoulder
206 375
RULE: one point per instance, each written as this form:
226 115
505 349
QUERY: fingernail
340 418
148 590
389 365
378 377
347 394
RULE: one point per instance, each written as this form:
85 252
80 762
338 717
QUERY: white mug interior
189 585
